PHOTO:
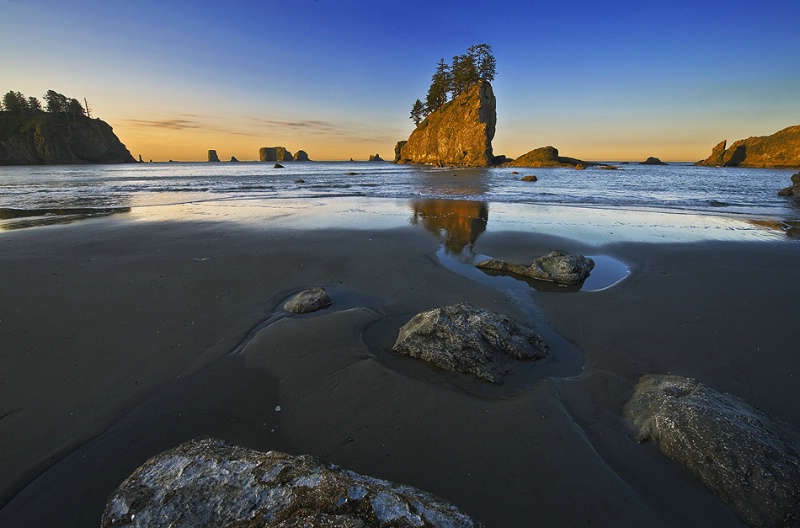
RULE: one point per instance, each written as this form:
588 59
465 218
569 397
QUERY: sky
614 80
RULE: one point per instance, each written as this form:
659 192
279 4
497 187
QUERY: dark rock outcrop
548 157
212 156
301 155
464 338
529 178
375 157
749 459
274 154
277 166
652 161
781 149
233 159
794 190
211 483
42 138
309 300
459 133
398 150
557 266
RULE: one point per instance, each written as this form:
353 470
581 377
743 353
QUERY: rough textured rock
211 483
748 458
398 149
781 149
309 300
464 338
375 157
652 161
459 133
557 266
301 155
794 190
42 138
212 156
547 157
274 154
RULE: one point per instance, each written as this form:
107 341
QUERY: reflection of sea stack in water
457 223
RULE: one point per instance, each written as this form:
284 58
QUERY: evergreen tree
74 107
465 73
15 102
485 63
56 102
440 86
417 112
34 104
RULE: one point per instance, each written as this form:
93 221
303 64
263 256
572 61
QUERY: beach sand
122 338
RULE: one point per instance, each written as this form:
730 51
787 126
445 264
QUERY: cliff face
781 149
48 139
459 133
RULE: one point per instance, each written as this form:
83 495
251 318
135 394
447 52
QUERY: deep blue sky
597 80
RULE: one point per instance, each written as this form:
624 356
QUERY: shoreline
123 331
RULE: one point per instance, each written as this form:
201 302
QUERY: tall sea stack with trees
456 123
60 132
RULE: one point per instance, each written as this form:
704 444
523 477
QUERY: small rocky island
59 133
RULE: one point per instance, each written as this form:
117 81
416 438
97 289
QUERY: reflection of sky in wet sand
589 225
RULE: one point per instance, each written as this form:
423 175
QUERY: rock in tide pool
749 459
309 300
209 482
557 266
464 338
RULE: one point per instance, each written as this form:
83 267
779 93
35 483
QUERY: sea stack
459 133
212 156
781 149
274 154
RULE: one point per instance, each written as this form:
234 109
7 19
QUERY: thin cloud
172 124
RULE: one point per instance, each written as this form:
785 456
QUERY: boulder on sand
464 338
309 300
557 266
748 458
211 483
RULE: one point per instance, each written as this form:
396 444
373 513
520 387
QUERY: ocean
35 195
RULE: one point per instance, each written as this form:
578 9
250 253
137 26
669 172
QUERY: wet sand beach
124 336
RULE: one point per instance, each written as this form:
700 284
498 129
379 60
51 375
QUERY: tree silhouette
417 112
449 81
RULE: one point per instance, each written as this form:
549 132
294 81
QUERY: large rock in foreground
459 133
42 138
557 266
548 157
212 483
749 459
781 149
464 338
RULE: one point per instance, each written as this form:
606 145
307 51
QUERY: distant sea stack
43 138
212 156
375 157
458 133
301 155
548 157
781 149
274 154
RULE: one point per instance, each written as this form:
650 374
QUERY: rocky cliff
274 154
41 138
459 133
781 149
